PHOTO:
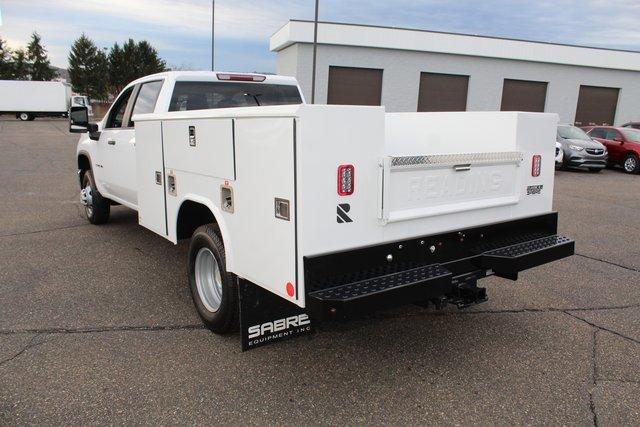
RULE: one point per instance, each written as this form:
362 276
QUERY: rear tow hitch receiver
467 293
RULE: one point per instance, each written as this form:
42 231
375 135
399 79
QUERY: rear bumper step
508 261
422 274
376 293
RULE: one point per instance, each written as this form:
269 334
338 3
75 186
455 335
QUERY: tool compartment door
264 218
150 176
464 169
428 185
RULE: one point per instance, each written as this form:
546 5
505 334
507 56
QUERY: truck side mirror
79 120
94 131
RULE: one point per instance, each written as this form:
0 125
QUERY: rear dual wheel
213 289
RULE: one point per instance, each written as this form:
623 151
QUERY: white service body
405 185
293 153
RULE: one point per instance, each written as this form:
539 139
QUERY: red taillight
536 163
241 77
346 180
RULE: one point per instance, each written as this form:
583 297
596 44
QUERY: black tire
225 318
25 117
98 212
631 164
594 170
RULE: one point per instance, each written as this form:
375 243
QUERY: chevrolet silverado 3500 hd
299 213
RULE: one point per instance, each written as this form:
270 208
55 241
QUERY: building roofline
364 35
390 27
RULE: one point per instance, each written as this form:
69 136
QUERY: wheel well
83 164
191 216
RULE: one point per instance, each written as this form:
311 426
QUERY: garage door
354 86
596 105
443 92
523 95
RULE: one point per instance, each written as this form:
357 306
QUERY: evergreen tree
81 57
20 67
6 66
148 59
132 61
100 77
117 69
88 70
37 56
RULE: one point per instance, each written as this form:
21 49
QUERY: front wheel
25 117
96 207
631 164
214 290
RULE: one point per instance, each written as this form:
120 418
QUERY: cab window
209 95
147 98
116 116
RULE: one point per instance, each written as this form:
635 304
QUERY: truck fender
219 218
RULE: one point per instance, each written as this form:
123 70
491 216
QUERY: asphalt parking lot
97 324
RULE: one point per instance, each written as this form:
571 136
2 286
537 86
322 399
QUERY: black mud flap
266 318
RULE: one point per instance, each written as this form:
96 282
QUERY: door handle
111 142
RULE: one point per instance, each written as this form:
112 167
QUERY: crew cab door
116 152
611 139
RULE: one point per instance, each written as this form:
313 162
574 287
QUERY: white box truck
29 99
300 213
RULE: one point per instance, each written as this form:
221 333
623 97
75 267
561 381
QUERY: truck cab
109 151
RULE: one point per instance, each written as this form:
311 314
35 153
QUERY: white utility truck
29 99
300 213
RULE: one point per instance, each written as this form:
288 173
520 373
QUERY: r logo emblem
341 211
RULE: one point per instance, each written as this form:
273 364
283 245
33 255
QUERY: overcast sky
180 29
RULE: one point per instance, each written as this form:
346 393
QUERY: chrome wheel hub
630 164
86 199
208 280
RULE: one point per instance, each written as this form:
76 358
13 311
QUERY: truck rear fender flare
186 222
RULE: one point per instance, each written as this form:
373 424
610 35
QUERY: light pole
315 49
213 20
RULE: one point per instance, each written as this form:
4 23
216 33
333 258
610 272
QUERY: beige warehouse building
416 70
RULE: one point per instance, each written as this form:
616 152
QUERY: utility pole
213 21
315 50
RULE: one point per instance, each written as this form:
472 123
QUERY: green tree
132 61
100 77
149 61
117 69
88 70
20 67
38 59
81 56
6 66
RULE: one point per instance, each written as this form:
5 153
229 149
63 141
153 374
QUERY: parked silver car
579 150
